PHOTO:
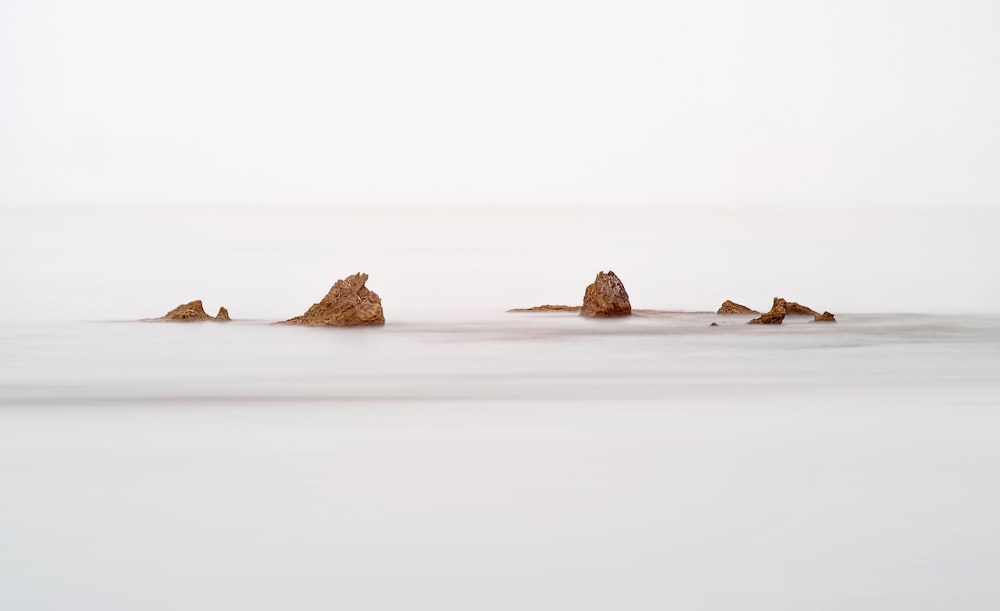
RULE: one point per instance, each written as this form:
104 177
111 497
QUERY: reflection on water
525 461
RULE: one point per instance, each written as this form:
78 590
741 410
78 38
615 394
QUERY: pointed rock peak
606 297
357 280
223 315
187 312
731 307
347 304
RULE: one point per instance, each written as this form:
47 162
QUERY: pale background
484 156
474 157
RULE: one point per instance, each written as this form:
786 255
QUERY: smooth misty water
502 461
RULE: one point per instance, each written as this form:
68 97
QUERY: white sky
702 150
541 102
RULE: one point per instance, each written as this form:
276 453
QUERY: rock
775 316
223 315
548 308
731 307
348 304
797 309
606 298
714 324
190 312
824 317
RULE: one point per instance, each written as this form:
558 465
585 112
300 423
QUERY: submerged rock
548 308
606 297
347 304
192 312
775 316
824 317
714 324
223 315
731 307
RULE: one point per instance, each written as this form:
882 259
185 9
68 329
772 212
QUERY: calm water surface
502 461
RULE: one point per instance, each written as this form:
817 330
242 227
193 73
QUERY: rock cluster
350 303
731 307
606 298
775 316
347 304
193 312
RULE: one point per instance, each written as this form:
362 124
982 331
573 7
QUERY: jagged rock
775 316
548 308
348 304
797 309
223 315
824 317
191 312
606 298
731 307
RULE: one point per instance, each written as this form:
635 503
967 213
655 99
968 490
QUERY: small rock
714 324
824 317
223 315
606 298
187 312
731 307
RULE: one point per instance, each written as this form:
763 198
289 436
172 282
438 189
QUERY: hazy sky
702 150
437 102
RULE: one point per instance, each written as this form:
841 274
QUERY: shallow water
502 461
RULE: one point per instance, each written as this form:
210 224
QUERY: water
502 461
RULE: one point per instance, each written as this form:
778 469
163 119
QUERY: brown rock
775 316
192 312
731 307
548 308
187 312
606 298
797 309
824 317
348 304
714 324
